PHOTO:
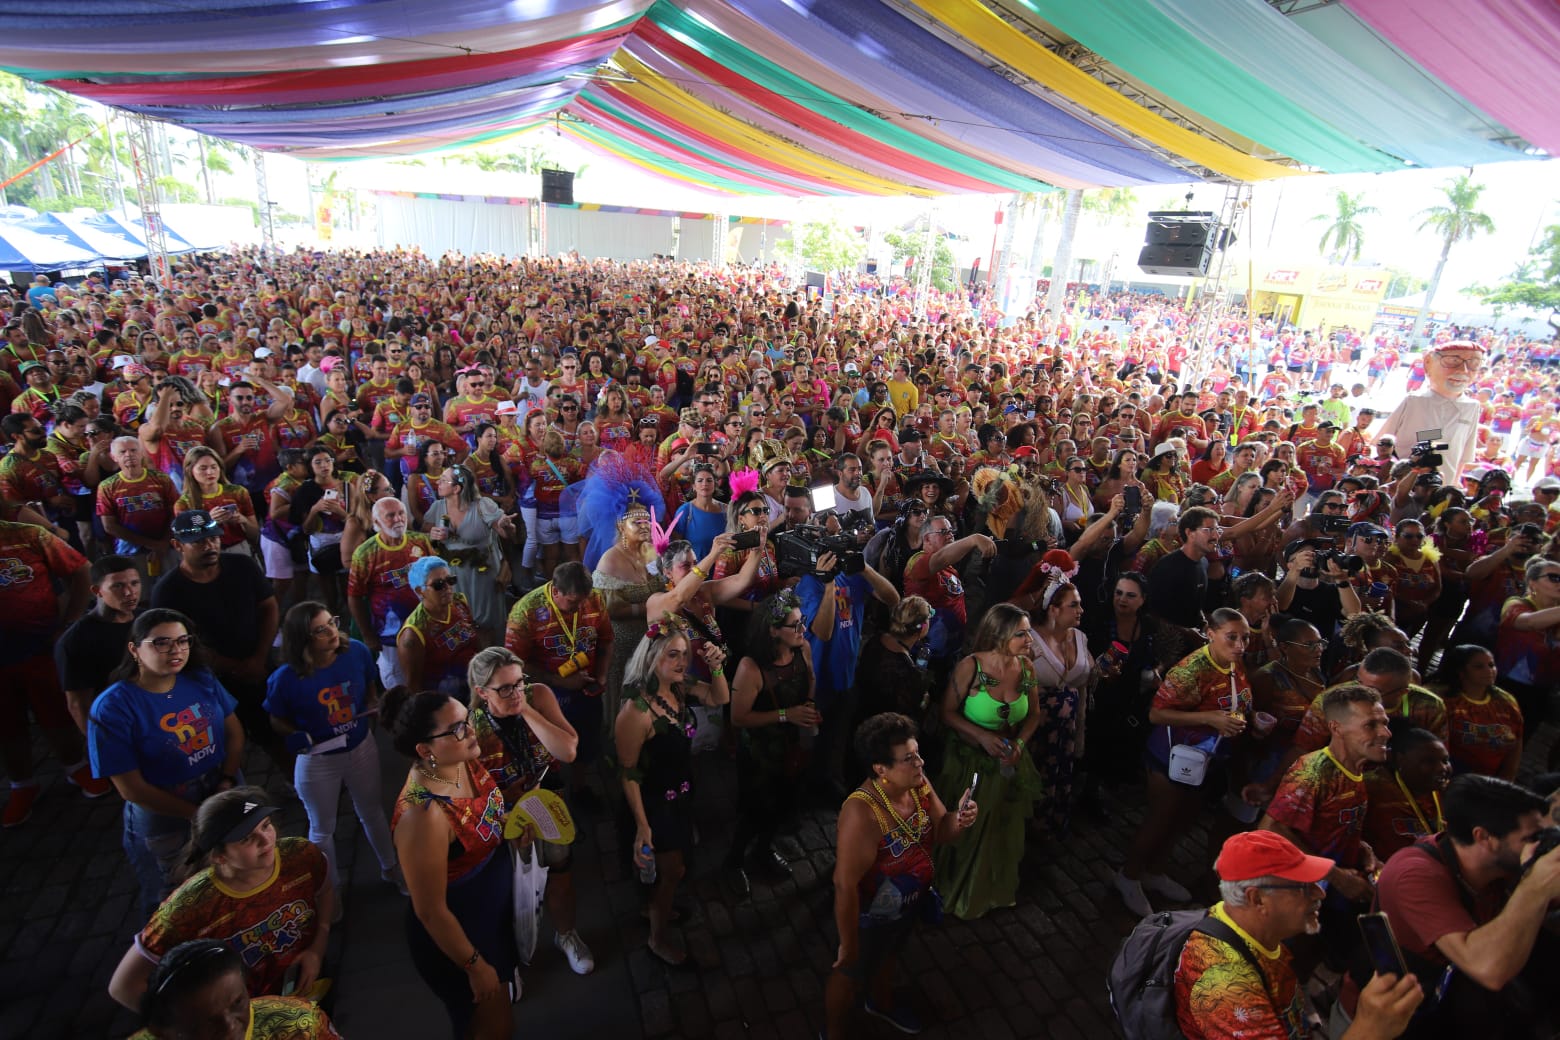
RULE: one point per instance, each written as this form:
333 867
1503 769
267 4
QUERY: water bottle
1007 770
647 871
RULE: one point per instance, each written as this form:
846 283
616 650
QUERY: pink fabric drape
1499 54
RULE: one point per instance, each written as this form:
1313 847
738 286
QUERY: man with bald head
378 593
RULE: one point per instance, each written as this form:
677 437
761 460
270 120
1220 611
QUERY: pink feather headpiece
743 480
661 537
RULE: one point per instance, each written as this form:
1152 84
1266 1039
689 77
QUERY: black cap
195 525
232 822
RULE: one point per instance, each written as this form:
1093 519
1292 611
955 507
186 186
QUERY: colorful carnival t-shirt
1395 816
449 643
512 753
378 571
539 634
1426 709
1198 684
1325 804
1219 995
1483 733
476 823
1532 658
31 560
279 1018
144 505
902 872
268 926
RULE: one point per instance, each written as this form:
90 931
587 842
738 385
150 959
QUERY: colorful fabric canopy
835 96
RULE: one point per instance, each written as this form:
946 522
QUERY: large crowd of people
561 526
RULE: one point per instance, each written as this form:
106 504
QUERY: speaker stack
558 187
1179 242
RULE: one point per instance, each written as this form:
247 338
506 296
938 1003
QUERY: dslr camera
798 549
1349 563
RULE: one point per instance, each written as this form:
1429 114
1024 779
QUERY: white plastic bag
530 883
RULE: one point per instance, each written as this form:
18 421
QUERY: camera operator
1468 908
1411 494
1316 592
1325 522
834 605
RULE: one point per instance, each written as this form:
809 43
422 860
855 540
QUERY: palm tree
1456 221
1343 228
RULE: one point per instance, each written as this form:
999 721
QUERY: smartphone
823 499
1385 956
974 786
290 980
705 448
747 539
1133 498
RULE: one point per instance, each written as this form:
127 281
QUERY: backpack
1141 980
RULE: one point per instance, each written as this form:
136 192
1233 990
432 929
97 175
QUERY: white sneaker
1161 885
574 948
1131 892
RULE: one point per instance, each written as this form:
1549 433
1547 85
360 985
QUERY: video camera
797 551
1333 525
1427 453
1349 563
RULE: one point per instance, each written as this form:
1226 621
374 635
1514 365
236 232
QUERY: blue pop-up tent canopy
108 245
136 230
23 249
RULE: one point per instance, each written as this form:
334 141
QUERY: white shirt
844 503
1457 419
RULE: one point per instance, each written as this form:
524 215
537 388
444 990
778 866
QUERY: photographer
1468 908
1374 580
1322 594
834 631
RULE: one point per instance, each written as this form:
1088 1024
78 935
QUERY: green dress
979 871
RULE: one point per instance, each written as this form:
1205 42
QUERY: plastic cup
1262 723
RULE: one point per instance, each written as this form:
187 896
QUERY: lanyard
1414 805
568 633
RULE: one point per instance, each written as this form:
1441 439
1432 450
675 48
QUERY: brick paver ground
67 915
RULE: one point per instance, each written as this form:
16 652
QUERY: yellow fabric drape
658 94
986 30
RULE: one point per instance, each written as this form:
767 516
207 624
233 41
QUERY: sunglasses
441 584
756 511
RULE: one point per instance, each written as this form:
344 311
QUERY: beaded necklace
915 827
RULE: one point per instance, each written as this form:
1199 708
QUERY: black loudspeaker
1176 259
1179 228
558 187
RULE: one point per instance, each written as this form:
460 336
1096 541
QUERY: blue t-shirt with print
835 661
329 702
173 738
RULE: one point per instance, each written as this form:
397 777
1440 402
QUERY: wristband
1020 743
782 714
471 962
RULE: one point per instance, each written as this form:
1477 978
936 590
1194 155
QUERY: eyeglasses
460 731
168 644
1551 576
509 690
939 530
333 627
1077 469
1458 363
441 584
758 412
1318 644
1375 539
910 760
797 625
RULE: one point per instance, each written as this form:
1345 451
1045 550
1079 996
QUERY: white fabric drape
595 233
439 226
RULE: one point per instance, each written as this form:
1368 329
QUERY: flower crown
781 604
669 625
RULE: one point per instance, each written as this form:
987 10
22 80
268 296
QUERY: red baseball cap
1254 854
1458 344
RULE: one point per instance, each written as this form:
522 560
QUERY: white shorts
278 559
1531 449
550 530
